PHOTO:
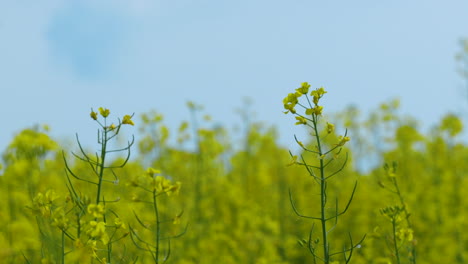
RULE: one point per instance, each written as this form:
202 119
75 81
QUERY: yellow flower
343 141
119 224
127 119
330 128
60 220
304 89
290 102
291 98
150 172
97 210
318 110
301 120
157 183
93 115
293 161
97 230
174 189
318 92
316 100
104 112
112 127
405 234
42 203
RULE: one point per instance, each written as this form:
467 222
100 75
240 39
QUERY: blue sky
60 58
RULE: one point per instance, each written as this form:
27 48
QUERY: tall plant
310 115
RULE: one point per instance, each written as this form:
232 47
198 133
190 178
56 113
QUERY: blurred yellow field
358 190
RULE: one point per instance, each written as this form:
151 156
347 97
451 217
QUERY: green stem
397 253
323 196
101 165
63 247
109 252
156 213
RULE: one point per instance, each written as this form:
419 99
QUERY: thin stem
63 247
101 165
323 196
156 213
397 253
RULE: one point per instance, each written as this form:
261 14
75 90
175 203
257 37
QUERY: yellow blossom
60 220
158 183
42 203
97 210
318 110
316 100
151 172
318 92
290 102
405 234
97 231
119 224
330 128
127 119
174 189
301 120
104 112
304 89
343 141
93 115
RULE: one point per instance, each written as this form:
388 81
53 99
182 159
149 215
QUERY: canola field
357 189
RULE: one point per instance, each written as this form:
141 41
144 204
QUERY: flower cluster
292 99
96 210
405 234
394 213
310 115
60 219
97 231
161 184
153 181
104 112
42 203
